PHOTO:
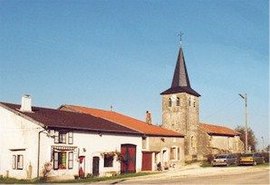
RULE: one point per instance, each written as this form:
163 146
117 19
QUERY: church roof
127 121
180 82
218 130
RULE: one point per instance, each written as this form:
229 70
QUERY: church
180 113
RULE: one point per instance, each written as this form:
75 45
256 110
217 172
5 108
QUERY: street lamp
246 128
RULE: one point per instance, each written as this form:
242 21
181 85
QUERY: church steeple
180 77
180 82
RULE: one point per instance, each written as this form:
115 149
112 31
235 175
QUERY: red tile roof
218 130
124 120
55 118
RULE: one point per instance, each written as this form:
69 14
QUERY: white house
63 143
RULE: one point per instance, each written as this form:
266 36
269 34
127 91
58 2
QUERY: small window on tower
189 102
170 102
194 104
178 101
192 142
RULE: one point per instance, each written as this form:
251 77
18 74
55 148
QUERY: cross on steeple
180 35
180 82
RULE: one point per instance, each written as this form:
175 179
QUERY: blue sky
123 53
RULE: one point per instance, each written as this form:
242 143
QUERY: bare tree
252 141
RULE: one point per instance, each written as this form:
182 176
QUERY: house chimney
26 105
148 117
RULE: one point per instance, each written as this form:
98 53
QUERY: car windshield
247 155
221 156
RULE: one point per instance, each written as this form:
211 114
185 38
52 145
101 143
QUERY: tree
267 149
252 141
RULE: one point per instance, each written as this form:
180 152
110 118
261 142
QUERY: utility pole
262 143
246 127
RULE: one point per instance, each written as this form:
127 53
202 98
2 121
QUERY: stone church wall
182 118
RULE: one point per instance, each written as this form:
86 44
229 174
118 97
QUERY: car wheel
254 163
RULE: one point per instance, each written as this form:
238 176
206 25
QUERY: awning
64 148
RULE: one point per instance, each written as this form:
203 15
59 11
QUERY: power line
220 110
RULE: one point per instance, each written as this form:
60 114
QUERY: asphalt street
234 175
261 177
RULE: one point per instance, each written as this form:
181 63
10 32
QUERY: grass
4 180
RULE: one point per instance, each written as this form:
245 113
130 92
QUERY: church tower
180 107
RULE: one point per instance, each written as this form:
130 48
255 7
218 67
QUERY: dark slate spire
180 82
180 77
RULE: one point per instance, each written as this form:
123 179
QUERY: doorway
95 168
128 164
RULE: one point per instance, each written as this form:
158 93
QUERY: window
189 102
194 104
60 137
144 143
70 138
178 101
108 160
170 102
60 160
178 153
173 153
70 160
17 162
192 142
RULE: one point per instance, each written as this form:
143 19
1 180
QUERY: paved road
254 177
261 177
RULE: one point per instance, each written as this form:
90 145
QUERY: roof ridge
212 124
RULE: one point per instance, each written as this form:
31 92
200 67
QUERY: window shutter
55 160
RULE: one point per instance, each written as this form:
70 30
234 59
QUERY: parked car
251 158
225 160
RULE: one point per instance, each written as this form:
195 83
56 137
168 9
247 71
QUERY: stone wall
163 146
182 118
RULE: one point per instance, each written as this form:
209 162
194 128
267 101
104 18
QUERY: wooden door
95 166
128 164
147 161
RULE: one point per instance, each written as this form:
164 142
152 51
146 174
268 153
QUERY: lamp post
246 127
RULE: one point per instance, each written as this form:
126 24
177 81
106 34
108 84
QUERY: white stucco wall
95 144
18 133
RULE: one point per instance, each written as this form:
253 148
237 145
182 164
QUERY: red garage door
147 161
128 164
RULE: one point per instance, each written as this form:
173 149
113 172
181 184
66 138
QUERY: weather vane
180 37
